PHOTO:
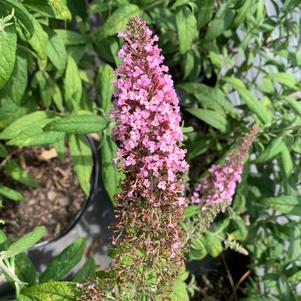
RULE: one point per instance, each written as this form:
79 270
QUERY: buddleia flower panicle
219 186
148 133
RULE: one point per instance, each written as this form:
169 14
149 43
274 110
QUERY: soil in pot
54 203
226 279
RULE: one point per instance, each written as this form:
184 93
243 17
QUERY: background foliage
232 62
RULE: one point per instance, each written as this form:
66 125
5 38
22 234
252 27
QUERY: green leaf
286 204
110 175
257 298
105 88
286 161
86 271
82 158
197 250
293 103
16 86
18 174
256 106
8 47
3 151
39 42
273 149
25 269
11 194
61 9
205 12
53 291
180 291
24 243
214 119
73 85
56 51
25 123
36 137
23 17
284 78
62 264
187 28
213 244
117 21
220 23
78 124
242 13
71 38
208 97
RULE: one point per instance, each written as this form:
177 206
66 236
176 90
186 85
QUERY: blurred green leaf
57 51
215 119
73 85
82 157
256 106
273 149
205 11
11 194
286 204
15 171
117 21
8 47
53 291
213 244
62 264
110 175
105 87
78 124
86 272
24 243
187 28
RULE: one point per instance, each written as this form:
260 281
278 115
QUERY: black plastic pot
6 291
93 189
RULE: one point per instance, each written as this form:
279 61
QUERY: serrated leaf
8 47
11 194
24 243
187 28
78 124
117 21
105 88
82 157
73 85
214 119
53 291
110 175
62 264
293 103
